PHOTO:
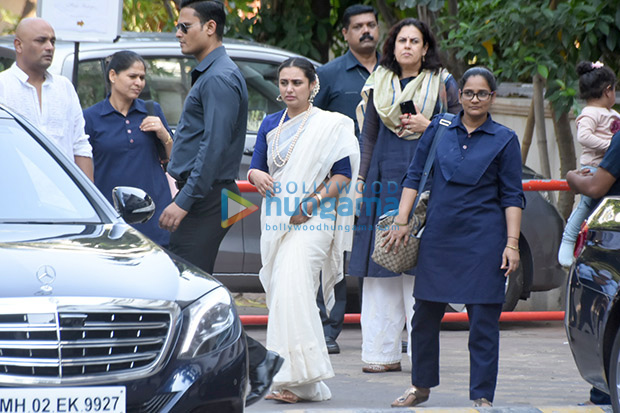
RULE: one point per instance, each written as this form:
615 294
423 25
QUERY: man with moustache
341 82
48 101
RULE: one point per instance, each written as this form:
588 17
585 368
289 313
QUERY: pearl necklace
275 153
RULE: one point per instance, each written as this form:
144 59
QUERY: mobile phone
407 107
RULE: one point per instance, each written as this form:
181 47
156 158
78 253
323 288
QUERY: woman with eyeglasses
404 92
470 243
130 140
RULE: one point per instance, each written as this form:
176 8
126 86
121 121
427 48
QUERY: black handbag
407 255
161 149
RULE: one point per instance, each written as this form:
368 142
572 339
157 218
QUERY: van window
168 82
91 83
5 63
262 81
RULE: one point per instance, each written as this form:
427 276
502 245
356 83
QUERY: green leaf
604 27
543 71
611 41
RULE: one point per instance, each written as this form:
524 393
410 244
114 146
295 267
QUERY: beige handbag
407 255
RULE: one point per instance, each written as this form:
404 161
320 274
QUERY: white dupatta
326 138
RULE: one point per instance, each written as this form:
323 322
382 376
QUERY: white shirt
59 116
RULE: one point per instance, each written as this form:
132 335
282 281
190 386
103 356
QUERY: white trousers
387 305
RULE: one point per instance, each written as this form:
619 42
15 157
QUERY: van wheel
614 374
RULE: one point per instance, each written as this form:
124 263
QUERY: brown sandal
412 397
381 368
482 402
284 396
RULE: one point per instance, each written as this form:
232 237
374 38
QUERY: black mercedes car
593 300
95 317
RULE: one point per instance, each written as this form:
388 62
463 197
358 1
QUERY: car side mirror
134 205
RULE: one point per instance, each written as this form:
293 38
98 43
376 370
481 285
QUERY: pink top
595 128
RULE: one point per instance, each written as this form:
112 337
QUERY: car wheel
614 373
514 287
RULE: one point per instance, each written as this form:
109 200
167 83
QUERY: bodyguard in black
205 159
342 80
210 138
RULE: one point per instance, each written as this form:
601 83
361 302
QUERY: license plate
109 399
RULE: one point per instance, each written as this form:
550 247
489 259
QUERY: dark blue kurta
391 157
123 155
476 176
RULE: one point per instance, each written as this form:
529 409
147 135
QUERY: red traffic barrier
545 185
246 186
528 185
261 320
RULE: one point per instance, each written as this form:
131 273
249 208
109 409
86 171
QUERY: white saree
293 257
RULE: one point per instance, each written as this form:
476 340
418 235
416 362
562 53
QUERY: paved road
536 370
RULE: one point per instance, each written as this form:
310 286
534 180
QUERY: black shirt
209 140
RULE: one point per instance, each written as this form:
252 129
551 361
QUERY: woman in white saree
305 162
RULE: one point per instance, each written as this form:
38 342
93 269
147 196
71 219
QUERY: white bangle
303 210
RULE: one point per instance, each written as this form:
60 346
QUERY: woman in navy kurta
409 69
124 139
470 242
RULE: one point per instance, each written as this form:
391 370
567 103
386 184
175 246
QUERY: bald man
47 101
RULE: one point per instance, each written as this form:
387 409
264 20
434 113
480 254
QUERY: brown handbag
407 256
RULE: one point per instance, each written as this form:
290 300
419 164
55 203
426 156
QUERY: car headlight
211 321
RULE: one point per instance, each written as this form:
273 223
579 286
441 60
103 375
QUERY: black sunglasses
184 26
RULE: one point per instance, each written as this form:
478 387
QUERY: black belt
181 184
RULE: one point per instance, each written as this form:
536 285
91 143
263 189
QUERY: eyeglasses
184 26
482 95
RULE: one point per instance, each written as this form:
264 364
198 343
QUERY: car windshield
35 188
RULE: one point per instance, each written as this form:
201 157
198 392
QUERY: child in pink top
596 124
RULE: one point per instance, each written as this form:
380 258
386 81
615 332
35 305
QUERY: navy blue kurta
123 155
391 157
476 176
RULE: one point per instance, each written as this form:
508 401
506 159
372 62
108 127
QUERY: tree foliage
302 26
149 15
517 39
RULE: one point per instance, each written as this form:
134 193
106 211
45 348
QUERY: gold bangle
512 248
401 225
169 140
319 198
510 236
361 178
